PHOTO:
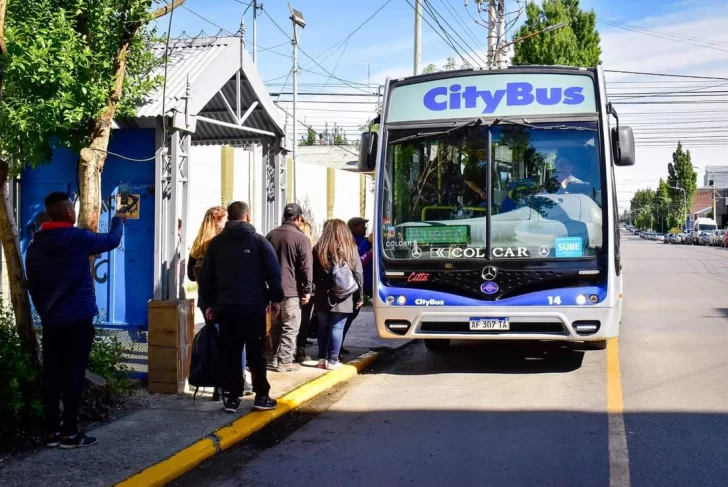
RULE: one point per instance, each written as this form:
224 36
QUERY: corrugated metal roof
208 66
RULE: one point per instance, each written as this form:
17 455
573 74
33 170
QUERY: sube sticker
569 247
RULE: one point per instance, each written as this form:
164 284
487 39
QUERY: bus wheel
596 345
437 345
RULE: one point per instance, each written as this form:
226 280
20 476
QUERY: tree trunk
16 272
11 246
91 162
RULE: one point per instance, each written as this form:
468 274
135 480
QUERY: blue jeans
330 334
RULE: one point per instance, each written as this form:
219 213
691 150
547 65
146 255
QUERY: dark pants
65 357
349 321
306 316
239 330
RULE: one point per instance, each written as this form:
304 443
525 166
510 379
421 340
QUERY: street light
297 19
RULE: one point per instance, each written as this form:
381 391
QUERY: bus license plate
480 324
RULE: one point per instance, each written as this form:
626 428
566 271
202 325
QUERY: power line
351 34
304 52
434 13
324 94
437 32
460 20
664 36
206 20
665 75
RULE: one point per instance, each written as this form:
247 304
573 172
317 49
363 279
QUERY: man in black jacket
240 276
293 249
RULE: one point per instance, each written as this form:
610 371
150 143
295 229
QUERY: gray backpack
343 282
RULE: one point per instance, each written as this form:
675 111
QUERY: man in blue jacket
240 277
59 280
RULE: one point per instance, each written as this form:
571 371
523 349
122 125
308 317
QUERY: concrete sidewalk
169 424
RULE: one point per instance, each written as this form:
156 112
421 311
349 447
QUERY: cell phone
125 196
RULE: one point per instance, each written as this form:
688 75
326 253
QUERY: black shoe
264 403
80 440
231 404
344 351
53 440
301 356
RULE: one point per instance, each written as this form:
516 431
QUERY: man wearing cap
358 227
293 248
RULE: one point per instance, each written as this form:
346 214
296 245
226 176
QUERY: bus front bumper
586 323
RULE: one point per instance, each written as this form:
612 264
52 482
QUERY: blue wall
124 277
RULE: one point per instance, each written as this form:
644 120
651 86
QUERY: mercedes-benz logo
544 251
489 273
416 253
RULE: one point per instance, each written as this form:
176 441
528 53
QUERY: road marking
618 453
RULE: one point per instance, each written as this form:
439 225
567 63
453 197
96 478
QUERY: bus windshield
545 194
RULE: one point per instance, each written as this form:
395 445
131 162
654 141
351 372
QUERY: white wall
204 189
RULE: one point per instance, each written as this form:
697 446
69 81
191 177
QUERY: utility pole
255 31
297 19
500 52
491 34
418 36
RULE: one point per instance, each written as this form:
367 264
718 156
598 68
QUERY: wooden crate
171 333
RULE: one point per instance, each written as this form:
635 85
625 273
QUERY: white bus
496 209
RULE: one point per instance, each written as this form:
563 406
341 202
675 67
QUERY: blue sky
685 36
386 42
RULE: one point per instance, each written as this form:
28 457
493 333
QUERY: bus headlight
401 300
390 300
581 299
593 299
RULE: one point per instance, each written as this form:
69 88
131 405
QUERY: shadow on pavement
499 357
467 447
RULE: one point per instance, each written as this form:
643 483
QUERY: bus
496 210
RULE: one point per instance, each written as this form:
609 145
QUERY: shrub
107 360
20 384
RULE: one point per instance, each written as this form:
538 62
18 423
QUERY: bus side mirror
368 151
623 146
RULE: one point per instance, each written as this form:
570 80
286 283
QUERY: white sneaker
330 366
322 363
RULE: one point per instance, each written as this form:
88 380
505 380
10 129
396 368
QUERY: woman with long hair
334 251
212 224
307 310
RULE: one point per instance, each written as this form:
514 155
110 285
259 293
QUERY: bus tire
596 345
437 345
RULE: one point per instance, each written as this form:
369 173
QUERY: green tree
450 65
576 44
641 207
310 138
69 68
72 67
682 175
662 204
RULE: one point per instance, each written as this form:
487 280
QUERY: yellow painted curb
187 459
171 468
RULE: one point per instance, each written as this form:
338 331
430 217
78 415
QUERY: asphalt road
515 415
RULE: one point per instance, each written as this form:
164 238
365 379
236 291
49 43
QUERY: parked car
716 238
672 238
704 238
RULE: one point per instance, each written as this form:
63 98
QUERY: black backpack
205 368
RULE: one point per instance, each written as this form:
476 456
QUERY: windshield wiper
422 135
523 123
